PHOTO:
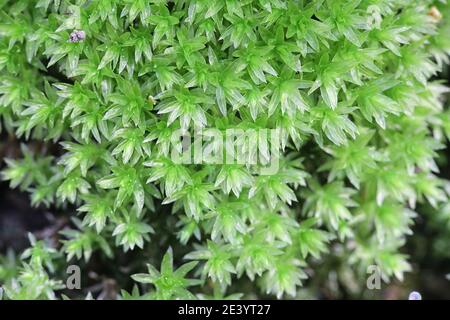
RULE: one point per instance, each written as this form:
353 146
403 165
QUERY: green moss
348 86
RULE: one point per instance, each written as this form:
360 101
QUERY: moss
334 110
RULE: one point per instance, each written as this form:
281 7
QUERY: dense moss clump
100 94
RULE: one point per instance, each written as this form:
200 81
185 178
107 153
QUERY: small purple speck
415 296
81 35
77 36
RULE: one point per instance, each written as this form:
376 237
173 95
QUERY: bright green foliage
33 281
348 84
169 283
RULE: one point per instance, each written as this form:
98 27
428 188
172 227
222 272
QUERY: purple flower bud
81 35
77 36
73 37
415 296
